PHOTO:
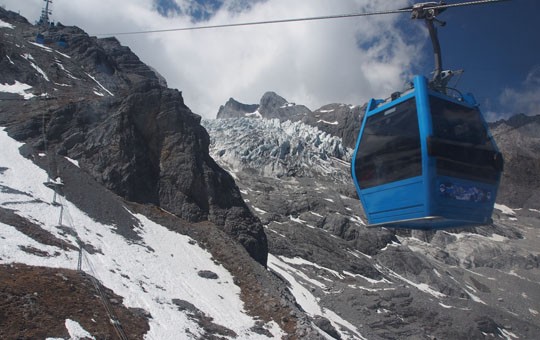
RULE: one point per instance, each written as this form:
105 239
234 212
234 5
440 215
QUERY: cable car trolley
424 159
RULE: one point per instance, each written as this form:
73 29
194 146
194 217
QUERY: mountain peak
270 106
235 109
271 101
274 106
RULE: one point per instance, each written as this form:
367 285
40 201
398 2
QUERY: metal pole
436 50
45 13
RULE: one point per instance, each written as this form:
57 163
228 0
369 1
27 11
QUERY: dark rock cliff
519 141
275 106
99 104
338 120
235 109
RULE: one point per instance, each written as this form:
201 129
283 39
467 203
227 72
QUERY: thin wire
280 21
252 23
113 318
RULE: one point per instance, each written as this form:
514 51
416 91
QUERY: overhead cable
280 21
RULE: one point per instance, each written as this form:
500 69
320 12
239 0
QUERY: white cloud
312 63
525 98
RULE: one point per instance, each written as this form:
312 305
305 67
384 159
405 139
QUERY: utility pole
45 12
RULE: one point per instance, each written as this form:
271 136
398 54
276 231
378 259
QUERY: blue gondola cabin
426 160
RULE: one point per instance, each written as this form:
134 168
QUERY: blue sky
315 63
498 46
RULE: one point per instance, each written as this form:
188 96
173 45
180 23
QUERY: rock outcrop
519 141
235 109
271 106
99 104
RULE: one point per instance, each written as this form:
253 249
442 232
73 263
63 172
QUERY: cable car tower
45 12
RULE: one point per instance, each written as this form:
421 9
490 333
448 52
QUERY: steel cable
280 21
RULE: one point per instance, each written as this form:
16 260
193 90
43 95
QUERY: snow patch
302 262
420 286
60 65
507 334
371 289
71 75
254 114
357 220
475 298
76 331
315 214
513 273
31 60
445 306
497 238
326 122
297 219
373 281
63 54
97 82
357 254
505 210
308 301
46 48
74 162
260 211
4 24
17 88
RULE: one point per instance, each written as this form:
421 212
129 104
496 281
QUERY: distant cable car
425 159
40 39
62 41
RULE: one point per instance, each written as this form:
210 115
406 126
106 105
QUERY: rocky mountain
100 105
519 141
517 138
118 220
235 109
114 183
474 283
271 106
339 120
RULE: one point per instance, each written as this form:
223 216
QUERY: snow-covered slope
163 272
